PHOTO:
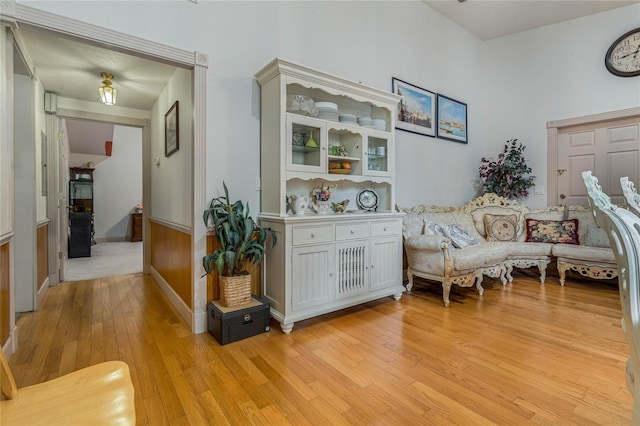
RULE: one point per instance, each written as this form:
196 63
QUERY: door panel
610 149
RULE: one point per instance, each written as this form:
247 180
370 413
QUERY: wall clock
623 57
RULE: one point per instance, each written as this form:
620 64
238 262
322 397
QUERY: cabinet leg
286 328
397 296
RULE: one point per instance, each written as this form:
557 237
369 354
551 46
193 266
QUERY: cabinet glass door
378 155
306 145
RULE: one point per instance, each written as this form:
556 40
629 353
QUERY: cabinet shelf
305 149
343 159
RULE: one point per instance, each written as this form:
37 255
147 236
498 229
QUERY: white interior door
610 149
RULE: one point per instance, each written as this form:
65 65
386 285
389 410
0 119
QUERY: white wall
512 85
553 73
171 182
117 185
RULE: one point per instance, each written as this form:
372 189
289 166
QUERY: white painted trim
199 231
6 238
41 294
553 129
594 118
175 226
173 297
42 222
104 37
11 345
199 322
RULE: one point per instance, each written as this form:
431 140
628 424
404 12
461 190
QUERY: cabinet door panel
386 262
312 275
306 144
352 269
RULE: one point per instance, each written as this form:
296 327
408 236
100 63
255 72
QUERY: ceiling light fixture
107 93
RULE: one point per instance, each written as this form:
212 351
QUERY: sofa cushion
520 249
584 217
596 237
584 253
482 255
412 225
501 227
460 237
552 231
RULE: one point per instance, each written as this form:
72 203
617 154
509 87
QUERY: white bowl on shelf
327 105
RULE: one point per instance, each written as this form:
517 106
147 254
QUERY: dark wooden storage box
236 323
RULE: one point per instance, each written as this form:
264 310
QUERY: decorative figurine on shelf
342 151
321 196
340 207
311 143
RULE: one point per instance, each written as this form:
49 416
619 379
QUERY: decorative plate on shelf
367 199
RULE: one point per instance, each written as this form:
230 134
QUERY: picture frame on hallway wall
417 108
171 130
452 120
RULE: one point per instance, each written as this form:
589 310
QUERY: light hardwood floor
523 354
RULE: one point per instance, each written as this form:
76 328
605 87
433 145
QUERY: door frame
196 61
553 129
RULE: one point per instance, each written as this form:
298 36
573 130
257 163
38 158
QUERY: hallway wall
117 185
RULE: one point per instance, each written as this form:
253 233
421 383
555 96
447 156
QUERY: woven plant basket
235 290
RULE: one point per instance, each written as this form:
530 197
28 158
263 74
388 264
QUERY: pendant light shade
107 93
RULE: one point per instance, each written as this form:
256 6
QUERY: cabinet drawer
312 234
350 231
386 227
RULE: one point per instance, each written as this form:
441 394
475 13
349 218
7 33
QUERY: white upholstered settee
491 235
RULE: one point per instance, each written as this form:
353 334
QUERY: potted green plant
241 248
509 175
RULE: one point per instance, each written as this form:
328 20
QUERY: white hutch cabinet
326 262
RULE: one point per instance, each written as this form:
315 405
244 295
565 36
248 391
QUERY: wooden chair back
630 194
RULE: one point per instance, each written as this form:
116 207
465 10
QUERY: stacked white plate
327 111
379 124
348 119
365 121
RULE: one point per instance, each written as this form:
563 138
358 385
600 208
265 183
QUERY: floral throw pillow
501 227
552 231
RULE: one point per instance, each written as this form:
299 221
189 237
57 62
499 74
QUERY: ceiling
71 69
488 19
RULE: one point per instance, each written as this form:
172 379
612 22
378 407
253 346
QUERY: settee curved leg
479 287
562 269
446 289
410 277
509 267
542 267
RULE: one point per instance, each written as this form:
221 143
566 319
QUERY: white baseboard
11 345
42 293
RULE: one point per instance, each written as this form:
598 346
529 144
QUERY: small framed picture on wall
452 120
416 110
171 131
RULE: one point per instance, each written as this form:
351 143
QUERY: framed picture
416 110
171 131
452 119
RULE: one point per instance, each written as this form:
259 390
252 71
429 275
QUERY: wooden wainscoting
171 253
43 253
5 274
213 288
